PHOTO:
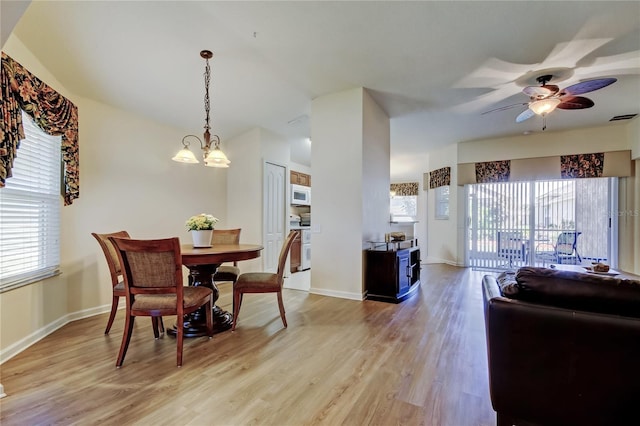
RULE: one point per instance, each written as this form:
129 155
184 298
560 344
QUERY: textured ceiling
434 67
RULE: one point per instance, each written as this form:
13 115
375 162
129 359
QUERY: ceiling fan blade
575 102
588 86
505 107
525 115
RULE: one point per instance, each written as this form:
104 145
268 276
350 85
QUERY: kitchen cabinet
298 178
392 273
296 254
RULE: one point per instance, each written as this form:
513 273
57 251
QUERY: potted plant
201 228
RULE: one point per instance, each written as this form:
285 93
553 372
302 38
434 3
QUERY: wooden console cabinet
392 274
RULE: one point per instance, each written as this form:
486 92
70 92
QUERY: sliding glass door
539 223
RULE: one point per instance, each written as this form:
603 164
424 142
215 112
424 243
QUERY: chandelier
213 157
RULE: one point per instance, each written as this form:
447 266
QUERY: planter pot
202 238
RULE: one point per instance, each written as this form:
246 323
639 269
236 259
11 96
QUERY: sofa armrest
559 366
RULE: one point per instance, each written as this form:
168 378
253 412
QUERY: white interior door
274 204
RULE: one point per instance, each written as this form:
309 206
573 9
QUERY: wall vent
623 117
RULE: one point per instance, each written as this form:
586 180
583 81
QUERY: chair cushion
226 273
263 281
192 296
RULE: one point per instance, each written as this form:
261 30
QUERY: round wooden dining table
202 264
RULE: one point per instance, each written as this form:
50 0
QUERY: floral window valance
493 171
51 111
440 177
582 165
405 189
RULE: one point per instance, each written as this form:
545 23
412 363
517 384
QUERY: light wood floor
340 362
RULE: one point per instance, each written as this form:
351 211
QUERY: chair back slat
151 266
226 236
110 253
151 269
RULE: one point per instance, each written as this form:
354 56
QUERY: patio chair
564 251
511 246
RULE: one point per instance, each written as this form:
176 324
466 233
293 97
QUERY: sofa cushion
577 290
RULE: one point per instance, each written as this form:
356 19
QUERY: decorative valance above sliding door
601 164
52 112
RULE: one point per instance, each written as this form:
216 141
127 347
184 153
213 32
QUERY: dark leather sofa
563 348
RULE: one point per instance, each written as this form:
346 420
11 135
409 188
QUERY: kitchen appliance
294 220
300 195
305 219
305 255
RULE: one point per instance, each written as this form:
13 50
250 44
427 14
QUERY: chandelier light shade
213 156
544 106
185 155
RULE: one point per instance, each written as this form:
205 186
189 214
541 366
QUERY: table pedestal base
195 325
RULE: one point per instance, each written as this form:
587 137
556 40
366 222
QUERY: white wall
444 243
247 153
338 226
375 171
127 181
613 137
634 136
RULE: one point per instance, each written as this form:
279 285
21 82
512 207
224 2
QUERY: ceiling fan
545 98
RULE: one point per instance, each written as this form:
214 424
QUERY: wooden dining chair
152 271
117 285
226 236
263 282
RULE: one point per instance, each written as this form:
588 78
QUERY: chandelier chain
207 79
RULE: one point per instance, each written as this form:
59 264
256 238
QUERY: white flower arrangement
201 222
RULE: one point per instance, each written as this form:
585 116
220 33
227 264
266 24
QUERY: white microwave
300 195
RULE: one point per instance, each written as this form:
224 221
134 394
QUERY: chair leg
281 306
112 315
237 301
209 316
179 337
154 324
126 338
161 325
233 299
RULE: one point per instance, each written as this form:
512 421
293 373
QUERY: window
442 202
30 211
404 208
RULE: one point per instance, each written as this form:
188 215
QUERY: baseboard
431 260
337 293
19 346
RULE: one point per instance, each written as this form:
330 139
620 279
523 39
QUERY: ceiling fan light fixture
544 106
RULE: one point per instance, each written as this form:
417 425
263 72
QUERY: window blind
30 211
